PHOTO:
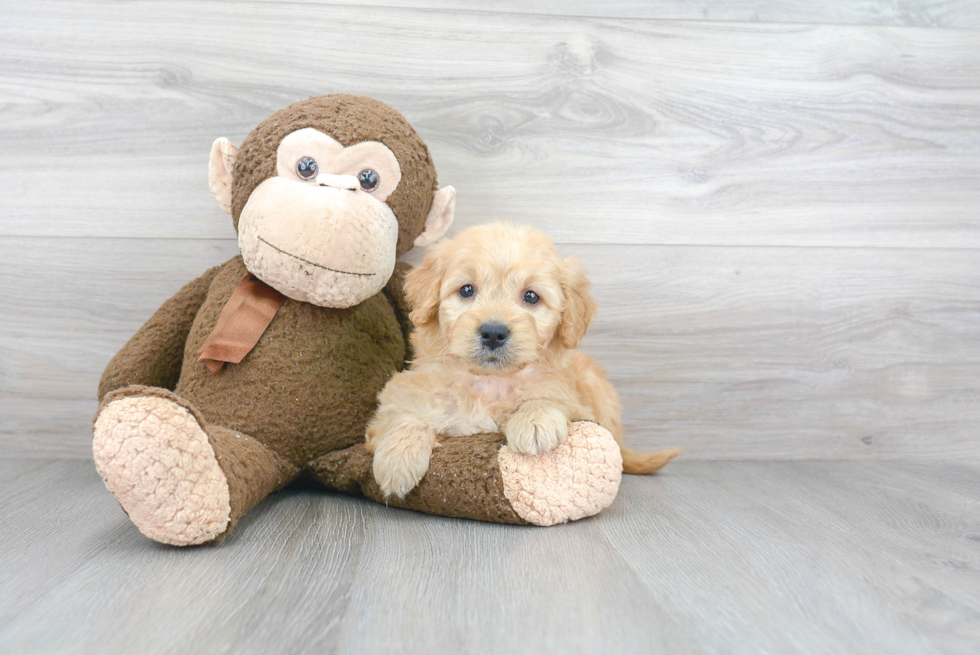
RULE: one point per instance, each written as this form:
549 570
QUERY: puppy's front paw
400 464
536 431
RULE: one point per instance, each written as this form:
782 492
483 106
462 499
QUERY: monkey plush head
326 194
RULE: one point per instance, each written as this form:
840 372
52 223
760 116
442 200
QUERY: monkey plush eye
369 179
531 298
467 291
306 168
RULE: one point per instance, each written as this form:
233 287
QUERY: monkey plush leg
181 481
480 477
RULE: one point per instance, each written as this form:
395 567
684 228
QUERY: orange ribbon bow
243 321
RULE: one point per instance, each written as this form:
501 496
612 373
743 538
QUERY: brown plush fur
531 389
463 481
308 386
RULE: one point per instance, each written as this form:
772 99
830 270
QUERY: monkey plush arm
153 356
480 477
395 293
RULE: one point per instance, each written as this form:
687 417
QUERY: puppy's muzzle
493 336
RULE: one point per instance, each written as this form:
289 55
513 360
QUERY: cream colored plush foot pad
579 478
157 461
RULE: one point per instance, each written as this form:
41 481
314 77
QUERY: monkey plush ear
220 166
440 216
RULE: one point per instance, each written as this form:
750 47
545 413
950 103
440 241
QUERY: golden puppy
497 313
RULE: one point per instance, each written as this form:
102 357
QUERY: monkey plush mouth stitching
326 268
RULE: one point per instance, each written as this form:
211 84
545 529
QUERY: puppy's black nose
493 335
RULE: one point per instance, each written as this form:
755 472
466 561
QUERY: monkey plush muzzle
331 246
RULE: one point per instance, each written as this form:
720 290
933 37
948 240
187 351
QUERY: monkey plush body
267 367
285 392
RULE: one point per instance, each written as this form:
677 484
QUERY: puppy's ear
422 286
579 304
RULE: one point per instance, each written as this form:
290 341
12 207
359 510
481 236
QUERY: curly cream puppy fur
497 314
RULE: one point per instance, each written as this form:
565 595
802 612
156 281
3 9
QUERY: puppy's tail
636 463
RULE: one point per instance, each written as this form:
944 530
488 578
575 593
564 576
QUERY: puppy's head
496 297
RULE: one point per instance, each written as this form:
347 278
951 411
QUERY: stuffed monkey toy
267 367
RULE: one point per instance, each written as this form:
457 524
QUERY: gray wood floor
709 557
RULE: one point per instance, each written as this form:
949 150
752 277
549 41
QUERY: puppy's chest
483 404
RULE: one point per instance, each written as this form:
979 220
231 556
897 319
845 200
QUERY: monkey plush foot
579 478
157 461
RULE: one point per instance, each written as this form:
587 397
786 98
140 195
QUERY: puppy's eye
306 168
531 298
467 291
369 179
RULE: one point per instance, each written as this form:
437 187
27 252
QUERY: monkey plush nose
493 335
338 181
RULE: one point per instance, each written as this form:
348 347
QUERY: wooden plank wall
779 203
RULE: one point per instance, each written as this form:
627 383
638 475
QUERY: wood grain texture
597 130
719 557
963 14
743 353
